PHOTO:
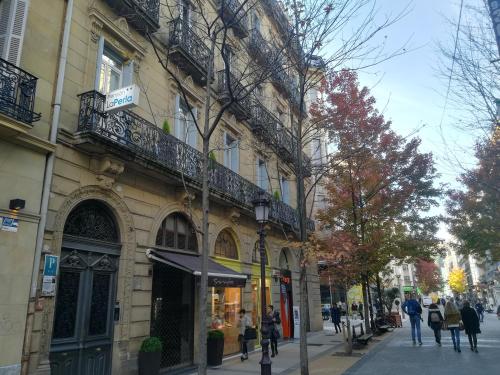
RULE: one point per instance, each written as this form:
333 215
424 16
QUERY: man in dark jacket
274 316
335 314
471 324
413 309
435 321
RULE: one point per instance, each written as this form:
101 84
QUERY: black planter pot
149 363
215 351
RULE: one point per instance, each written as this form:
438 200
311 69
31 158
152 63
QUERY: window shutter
13 15
191 129
177 121
235 159
100 52
227 152
128 74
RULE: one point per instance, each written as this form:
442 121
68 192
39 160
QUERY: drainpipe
47 181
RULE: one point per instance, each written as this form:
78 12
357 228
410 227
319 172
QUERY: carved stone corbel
234 215
95 30
106 169
185 197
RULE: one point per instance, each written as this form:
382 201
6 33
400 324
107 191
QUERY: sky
409 89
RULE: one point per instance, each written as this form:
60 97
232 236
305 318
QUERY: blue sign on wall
50 266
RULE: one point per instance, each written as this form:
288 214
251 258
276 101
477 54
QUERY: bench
362 338
384 328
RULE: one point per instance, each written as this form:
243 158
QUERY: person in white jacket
244 323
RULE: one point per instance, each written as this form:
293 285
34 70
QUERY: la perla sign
123 98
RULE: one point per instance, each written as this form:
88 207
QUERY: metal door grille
172 314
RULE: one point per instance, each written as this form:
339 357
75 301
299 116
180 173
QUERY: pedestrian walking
274 316
471 325
413 309
335 314
435 321
452 319
244 323
480 311
360 310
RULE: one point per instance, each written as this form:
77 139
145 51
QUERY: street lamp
261 206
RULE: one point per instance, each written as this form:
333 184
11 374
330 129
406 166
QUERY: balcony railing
258 47
128 133
235 16
241 107
17 93
144 15
188 50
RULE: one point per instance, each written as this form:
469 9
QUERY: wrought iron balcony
188 50
275 10
17 93
235 16
241 107
258 47
144 15
128 135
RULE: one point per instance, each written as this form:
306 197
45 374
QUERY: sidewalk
320 347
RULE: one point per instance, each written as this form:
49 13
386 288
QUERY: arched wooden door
82 336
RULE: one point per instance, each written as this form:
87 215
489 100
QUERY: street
397 355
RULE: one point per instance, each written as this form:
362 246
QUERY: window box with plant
150 356
215 347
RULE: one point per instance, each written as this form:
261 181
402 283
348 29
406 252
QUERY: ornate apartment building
113 199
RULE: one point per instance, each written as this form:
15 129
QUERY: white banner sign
123 98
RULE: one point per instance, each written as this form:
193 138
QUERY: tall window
262 178
229 55
316 151
176 232
185 128
111 73
225 246
231 153
256 21
285 190
185 11
13 15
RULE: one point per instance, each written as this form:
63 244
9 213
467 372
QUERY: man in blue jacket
414 310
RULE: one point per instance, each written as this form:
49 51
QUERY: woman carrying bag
245 326
435 321
471 325
453 320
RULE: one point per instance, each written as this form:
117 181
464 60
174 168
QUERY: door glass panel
99 305
66 305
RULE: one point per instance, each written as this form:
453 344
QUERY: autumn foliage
428 275
379 182
457 280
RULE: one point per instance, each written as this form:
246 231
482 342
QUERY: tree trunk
365 307
348 349
370 306
379 292
304 360
205 206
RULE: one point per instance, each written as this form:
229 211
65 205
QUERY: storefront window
256 311
226 305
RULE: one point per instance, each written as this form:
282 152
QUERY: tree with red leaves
474 215
428 275
379 183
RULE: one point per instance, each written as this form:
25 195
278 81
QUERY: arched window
256 254
225 246
92 219
176 232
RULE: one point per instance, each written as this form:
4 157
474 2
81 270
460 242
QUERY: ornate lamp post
261 205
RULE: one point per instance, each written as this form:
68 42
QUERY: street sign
49 275
123 98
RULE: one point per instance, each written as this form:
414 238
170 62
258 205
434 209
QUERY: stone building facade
125 200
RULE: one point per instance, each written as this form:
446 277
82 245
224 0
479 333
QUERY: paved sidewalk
321 346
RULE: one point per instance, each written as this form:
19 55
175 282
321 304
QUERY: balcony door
82 336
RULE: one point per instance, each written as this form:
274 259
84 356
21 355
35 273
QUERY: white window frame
285 190
105 70
262 176
185 127
13 16
231 152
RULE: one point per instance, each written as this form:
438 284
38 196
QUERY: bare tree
204 32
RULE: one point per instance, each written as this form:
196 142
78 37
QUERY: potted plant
166 127
215 347
276 195
212 160
150 356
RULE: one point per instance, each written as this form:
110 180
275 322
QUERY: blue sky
409 89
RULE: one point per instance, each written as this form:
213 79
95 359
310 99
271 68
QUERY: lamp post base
265 362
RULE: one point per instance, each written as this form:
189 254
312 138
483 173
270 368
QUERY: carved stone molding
107 169
185 196
117 33
234 215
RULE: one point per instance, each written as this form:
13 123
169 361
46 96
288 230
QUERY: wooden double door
82 336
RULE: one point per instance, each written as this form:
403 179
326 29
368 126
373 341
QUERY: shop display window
226 305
